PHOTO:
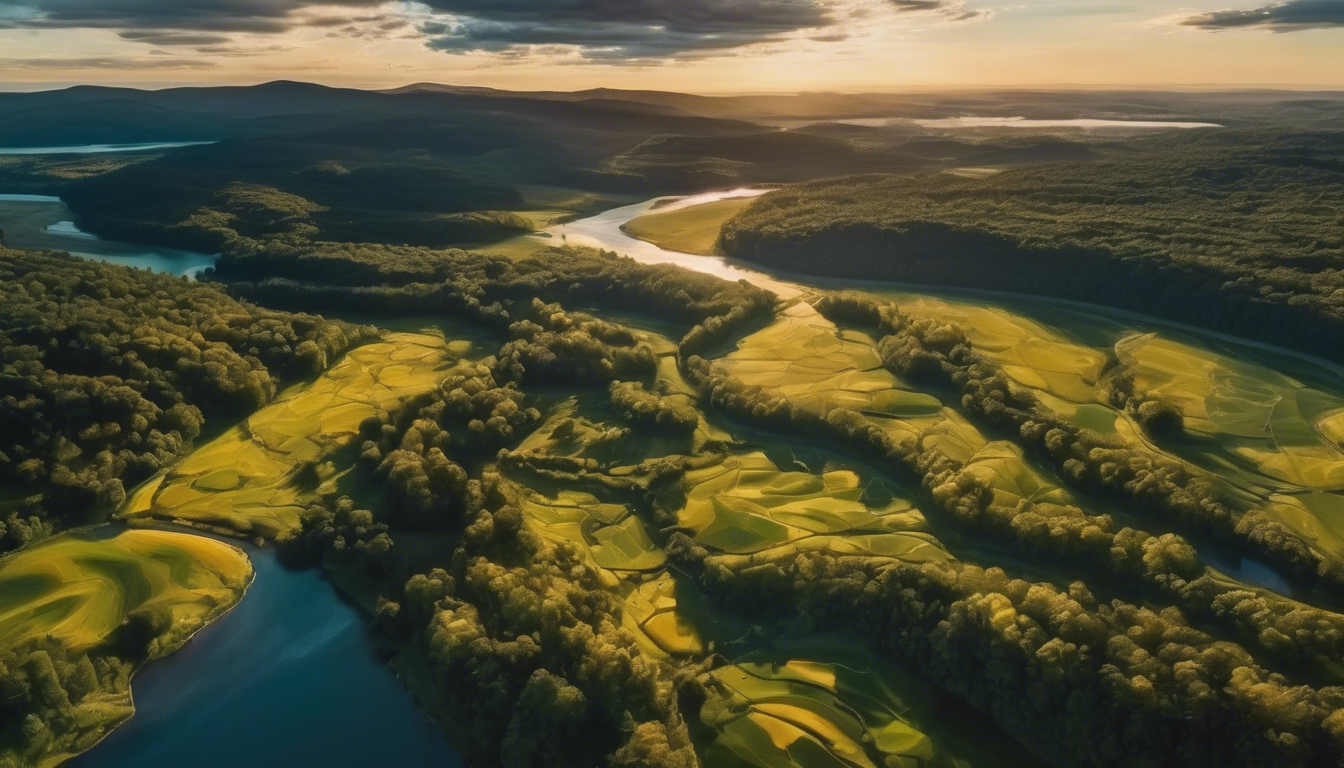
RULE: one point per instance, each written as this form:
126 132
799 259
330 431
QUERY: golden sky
705 46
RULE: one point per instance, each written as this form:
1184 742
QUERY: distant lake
288 677
40 222
97 149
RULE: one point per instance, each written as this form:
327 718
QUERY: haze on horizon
706 46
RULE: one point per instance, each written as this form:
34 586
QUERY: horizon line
51 87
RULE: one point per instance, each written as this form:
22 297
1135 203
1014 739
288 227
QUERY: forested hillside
1231 230
108 374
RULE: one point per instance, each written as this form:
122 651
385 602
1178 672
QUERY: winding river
1073 318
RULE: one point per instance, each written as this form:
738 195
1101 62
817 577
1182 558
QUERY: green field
743 504
694 229
805 357
242 483
71 594
77 590
831 703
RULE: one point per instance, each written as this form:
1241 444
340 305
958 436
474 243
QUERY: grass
1281 434
607 535
808 713
243 483
1032 354
651 610
694 229
1316 517
828 701
77 589
744 505
805 357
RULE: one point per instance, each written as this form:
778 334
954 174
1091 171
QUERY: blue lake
288 678
98 149
44 223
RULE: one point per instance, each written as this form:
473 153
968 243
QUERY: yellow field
650 611
803 356
687 230
77 590
1261 421
743 505
243 481
813 714
1030 353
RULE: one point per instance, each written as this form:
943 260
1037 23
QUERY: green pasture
243 482
694 229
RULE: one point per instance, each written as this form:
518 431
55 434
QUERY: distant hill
95 114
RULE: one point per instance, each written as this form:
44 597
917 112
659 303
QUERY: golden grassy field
743 504
77 590
786 711
243 482
694 229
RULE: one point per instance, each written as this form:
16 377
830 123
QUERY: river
99 149
1072 318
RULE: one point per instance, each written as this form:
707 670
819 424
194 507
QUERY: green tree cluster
108 373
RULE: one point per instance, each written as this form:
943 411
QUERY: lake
41 222
98 149
288 677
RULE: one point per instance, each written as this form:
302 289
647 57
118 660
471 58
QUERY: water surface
98 149
287 678
40 222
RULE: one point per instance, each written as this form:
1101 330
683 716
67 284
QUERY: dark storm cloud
1280 17
621 28
600 29
219 16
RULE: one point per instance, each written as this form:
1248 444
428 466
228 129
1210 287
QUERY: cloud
955 11
217 16
630 29
104 62
1288 16
160 37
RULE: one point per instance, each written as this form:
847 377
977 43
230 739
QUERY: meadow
91 606
247 482
694 229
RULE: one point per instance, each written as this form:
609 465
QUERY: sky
703 46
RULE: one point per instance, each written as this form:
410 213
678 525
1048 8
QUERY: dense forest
1232 230
435 167
109 374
